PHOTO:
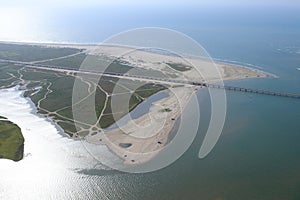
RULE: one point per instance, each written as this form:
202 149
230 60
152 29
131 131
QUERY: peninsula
49 73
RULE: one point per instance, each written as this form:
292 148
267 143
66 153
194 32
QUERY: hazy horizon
43 21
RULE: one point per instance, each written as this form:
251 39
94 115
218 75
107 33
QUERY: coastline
27 111
131 142
137 145
34 111
93 45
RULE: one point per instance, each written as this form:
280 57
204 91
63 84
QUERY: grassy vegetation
72 62
118 67
11 141
61 96
8 74
149 89
68 127
145 91
96 63
32 52
180 67
58 87
166 110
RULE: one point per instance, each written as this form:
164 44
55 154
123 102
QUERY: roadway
146 78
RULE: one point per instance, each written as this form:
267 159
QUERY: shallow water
142 109
257 156
51 160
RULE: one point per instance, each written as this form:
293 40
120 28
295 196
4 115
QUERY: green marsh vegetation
179 67
11 141
52 91
27 53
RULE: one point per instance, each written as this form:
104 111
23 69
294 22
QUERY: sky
68 3
31 19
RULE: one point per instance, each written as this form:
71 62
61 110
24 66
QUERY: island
111 75
11 140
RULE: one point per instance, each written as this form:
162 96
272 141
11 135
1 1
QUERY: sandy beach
141 139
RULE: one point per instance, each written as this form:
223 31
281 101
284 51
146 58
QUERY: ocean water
257 156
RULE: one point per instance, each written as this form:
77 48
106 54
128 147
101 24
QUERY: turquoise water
257 156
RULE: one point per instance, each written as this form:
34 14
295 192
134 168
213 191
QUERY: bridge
152 79
251 90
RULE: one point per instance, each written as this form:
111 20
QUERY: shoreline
34 111
133 140
93 45
136 144
147 135
44 141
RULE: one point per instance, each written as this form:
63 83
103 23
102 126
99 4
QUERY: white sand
148 134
